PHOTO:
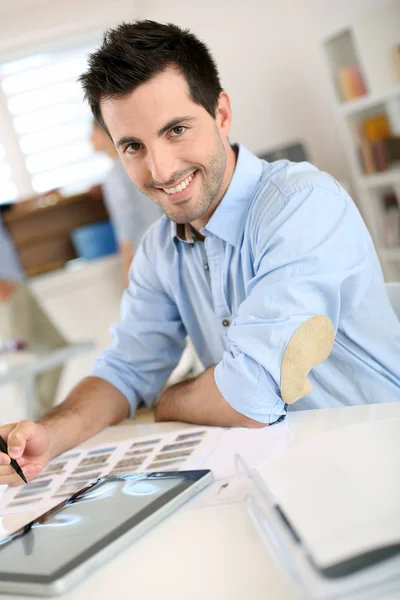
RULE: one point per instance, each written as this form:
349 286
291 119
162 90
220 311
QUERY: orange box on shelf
376 128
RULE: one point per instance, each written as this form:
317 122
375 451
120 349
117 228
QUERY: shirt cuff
103 371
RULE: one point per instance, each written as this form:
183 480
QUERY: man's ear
310 345
224 114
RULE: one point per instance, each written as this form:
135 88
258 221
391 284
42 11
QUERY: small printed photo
188 436
80 470
70 481
33 485
178 454
101 451
64 496
129 462
121 470
181 446
163 463
85 471
24 493
145 443
94 460
83 478
54 468
23 502
69 456
137 452
70 488
45 475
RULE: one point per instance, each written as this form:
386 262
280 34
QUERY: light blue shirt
285 243
131 212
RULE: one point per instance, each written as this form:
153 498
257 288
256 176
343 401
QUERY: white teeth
183 185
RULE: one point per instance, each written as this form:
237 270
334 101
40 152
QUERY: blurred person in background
131 212
11 272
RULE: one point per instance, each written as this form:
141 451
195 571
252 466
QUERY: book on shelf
367 158
379 156
351 82
379 150
392 150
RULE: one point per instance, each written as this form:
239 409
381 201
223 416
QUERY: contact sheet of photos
71 471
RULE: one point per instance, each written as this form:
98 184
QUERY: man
268 267
130 210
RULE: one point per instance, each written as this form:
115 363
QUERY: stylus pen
14 464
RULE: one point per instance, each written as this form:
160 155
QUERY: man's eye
177 131
132 148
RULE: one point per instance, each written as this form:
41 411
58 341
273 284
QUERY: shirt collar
227 220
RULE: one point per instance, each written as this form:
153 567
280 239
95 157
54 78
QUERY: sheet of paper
341 491
254 446
69 472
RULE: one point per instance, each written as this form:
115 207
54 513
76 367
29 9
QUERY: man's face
171 148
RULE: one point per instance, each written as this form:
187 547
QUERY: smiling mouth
180 187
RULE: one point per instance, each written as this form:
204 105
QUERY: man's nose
162 165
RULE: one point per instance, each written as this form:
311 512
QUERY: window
51 122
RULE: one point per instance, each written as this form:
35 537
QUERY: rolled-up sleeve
149 339
307 262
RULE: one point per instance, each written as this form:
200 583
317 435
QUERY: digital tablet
64 545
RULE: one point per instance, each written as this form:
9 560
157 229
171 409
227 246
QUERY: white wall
28 25
332 15
271 63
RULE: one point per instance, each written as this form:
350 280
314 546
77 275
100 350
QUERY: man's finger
32 470
11 481
9 477
6 471
18 437
4 459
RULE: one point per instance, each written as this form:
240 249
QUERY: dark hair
133 53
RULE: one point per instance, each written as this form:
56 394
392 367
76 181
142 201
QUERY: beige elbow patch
310 345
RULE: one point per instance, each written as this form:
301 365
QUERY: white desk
213 552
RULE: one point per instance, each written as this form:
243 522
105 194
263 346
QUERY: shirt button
206 267
225 323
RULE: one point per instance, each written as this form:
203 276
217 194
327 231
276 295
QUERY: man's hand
29 444
90 407
7 288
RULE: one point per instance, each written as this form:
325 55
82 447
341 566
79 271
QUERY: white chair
393 291
36 371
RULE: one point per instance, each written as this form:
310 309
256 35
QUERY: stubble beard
211 184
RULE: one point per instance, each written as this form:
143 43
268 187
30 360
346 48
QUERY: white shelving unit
368 42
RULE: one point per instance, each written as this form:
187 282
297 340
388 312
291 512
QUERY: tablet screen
86 523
